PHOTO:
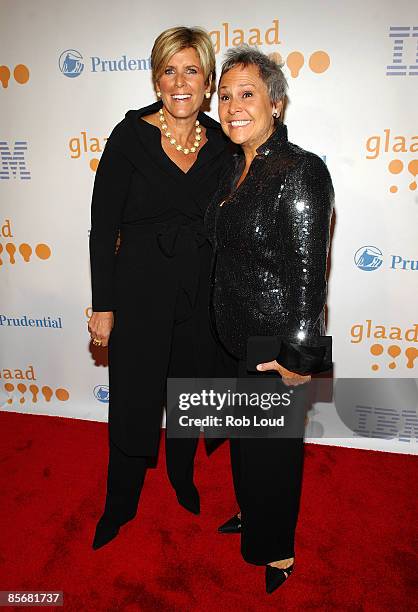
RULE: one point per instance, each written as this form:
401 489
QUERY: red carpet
355 549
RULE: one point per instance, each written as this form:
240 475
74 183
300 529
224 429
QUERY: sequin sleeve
306 209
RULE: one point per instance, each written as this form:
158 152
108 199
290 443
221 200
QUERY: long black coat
161 269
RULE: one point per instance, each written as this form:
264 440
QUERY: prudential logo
71 63
101 393
368 258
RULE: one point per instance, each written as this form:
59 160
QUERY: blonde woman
155 179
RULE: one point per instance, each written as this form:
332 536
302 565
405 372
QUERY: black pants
267 474
126 473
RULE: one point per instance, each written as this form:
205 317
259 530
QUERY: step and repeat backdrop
68 74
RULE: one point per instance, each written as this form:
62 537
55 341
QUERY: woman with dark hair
159 169
269 223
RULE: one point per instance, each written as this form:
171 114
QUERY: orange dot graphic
11 249
395 166
26 251
62 394
21 74
43 251
295 61
319 61
9 388
413 169
376 349
411 353
34 390
394 350
22 388
94 164
4 76
47 393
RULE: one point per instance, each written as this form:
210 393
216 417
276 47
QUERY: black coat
160 272
271 237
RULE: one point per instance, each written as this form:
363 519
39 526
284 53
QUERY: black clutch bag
311 358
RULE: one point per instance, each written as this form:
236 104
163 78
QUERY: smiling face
245 108
182 84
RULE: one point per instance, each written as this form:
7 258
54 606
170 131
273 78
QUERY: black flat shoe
231 526
106 531
276 576
189 499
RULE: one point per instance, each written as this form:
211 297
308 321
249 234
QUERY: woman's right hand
290 379
100 325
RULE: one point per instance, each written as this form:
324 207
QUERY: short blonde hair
173 40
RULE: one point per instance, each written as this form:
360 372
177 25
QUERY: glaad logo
13 164
396 146
101 393
228 36
26 392
85 144
386 343
71 63
399 66
368 258
9 253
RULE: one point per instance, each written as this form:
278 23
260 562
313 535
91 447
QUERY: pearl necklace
172 140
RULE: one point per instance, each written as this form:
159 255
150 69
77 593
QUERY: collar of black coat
217 142
273 143
204 119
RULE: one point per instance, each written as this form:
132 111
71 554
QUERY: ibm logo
13 164
400 34
387 423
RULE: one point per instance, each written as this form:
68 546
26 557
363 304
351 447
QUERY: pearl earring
207 95
159 94
275 115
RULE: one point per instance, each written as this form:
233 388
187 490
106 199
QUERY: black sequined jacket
271 238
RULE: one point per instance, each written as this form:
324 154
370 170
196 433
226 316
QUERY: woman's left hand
291 379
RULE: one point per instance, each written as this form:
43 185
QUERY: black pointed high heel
275 577
106 531
233 525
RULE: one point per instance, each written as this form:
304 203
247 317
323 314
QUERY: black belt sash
180 242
